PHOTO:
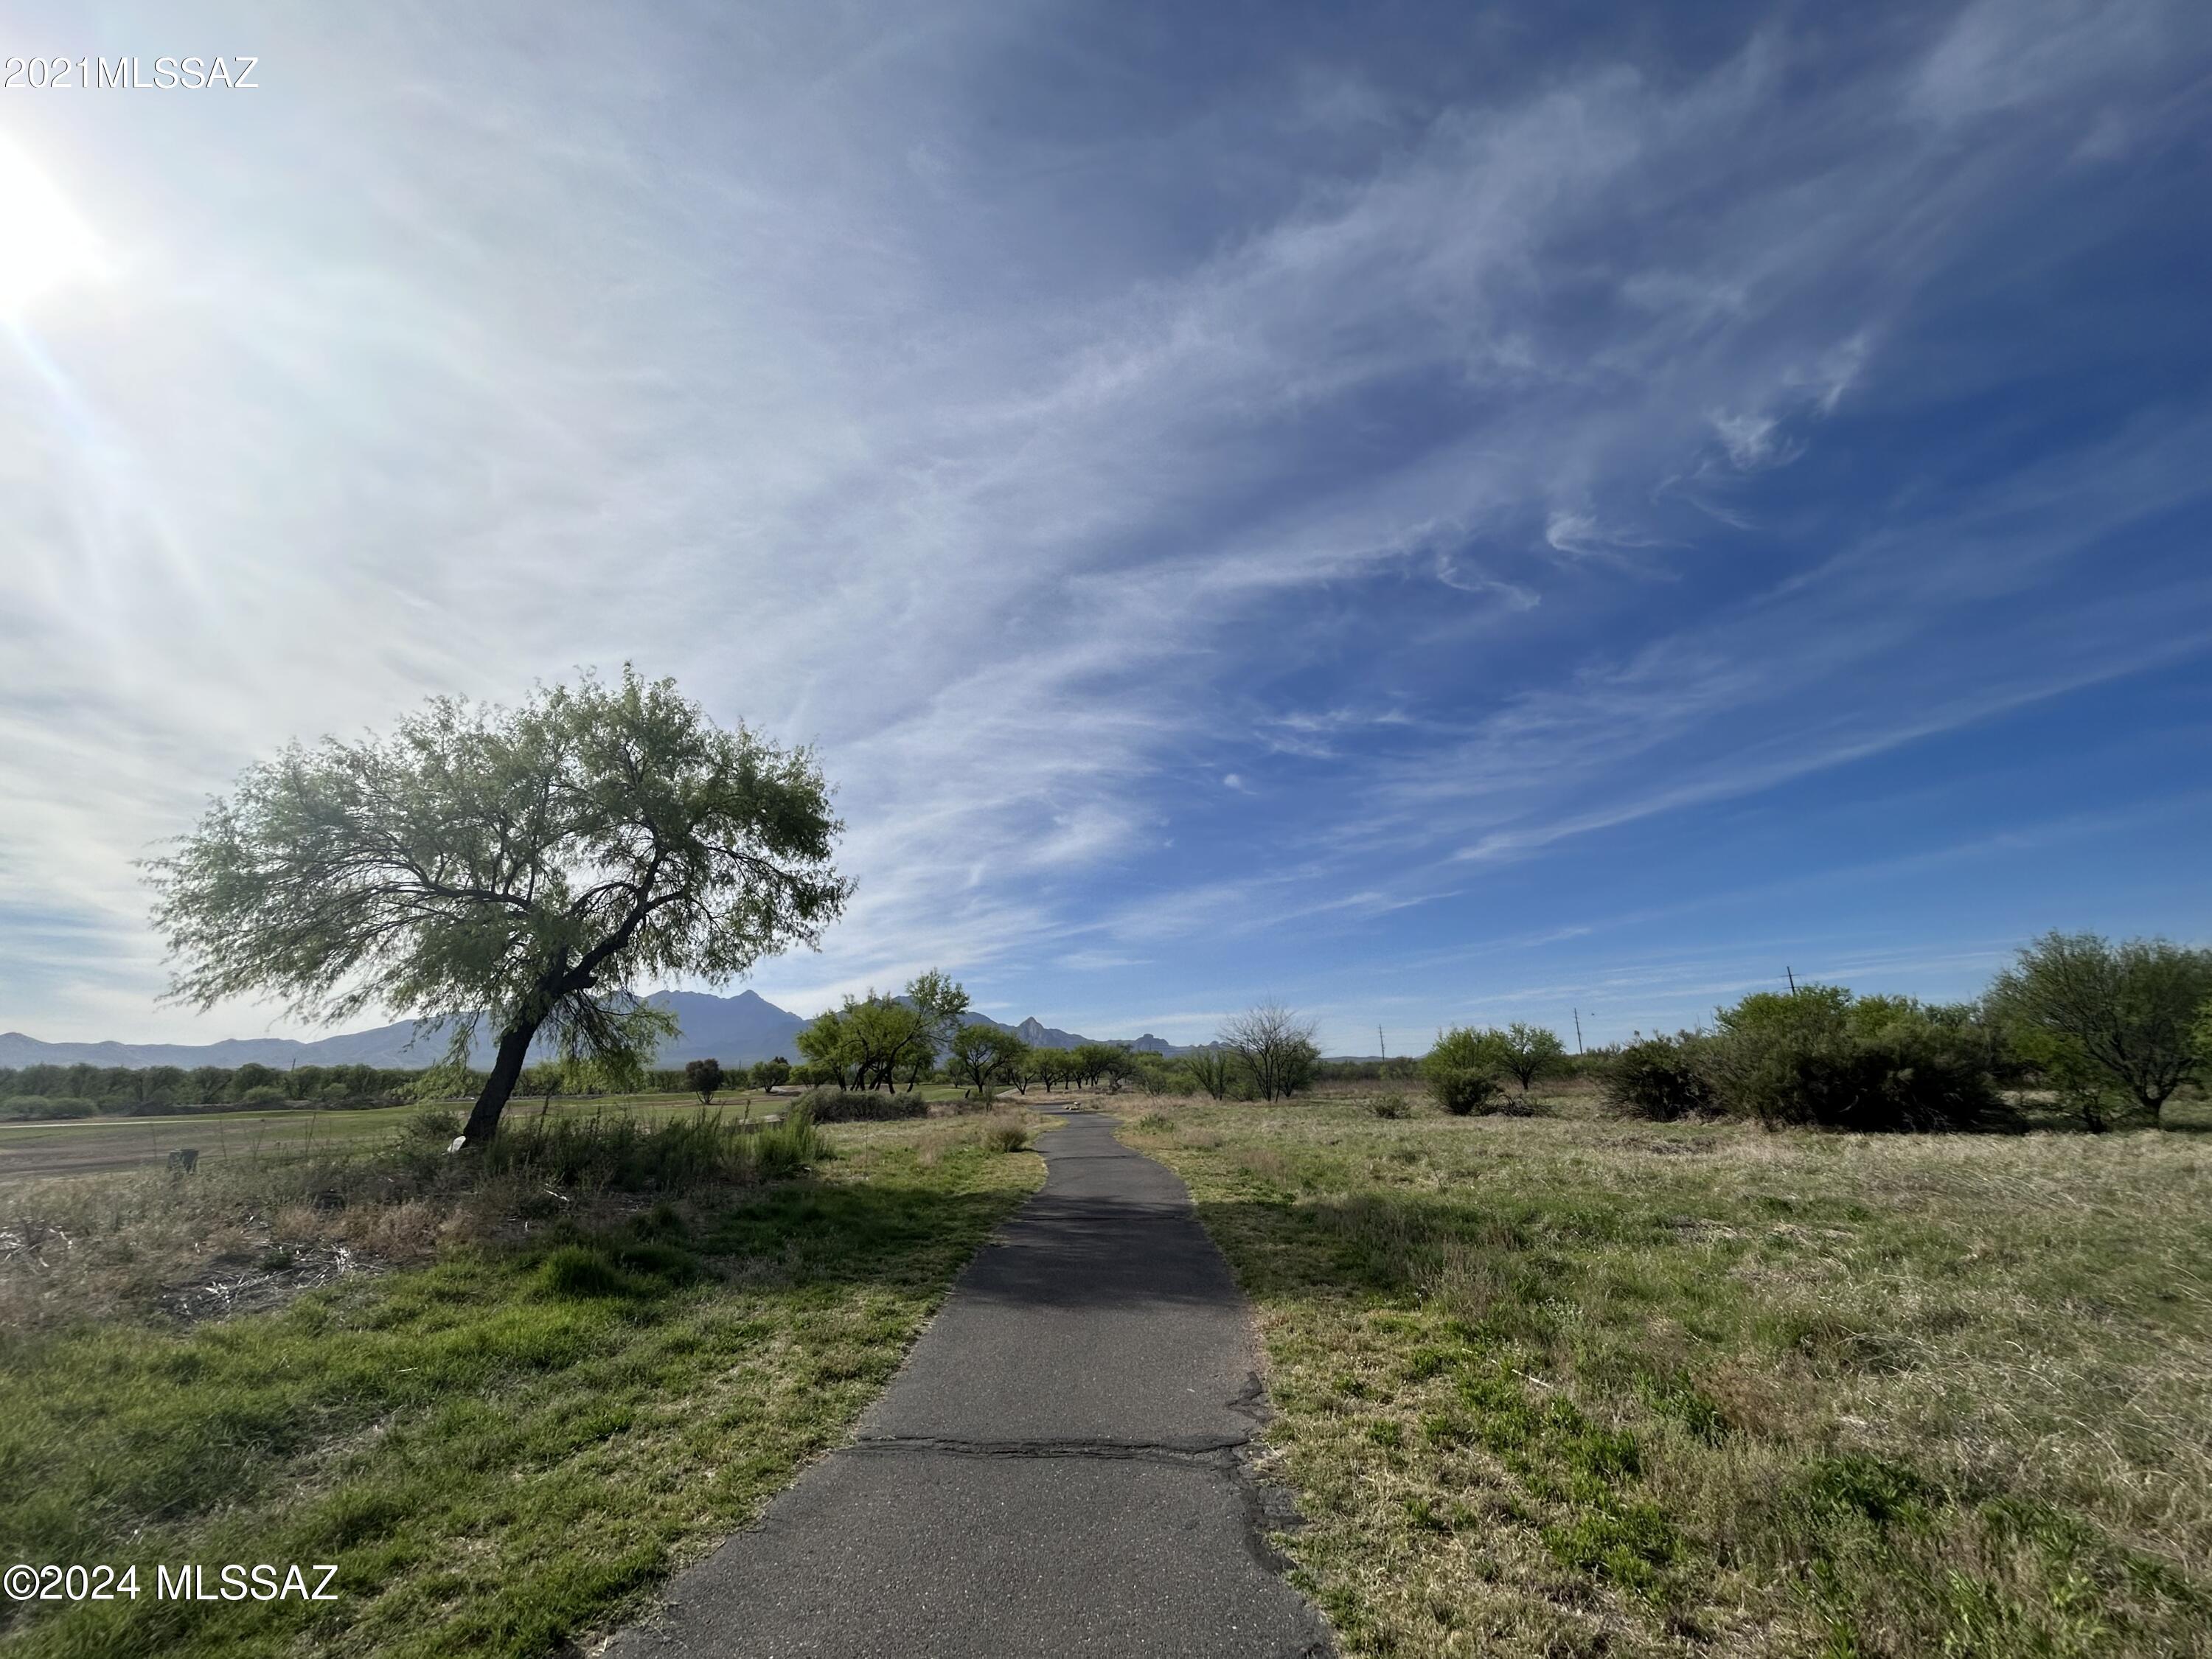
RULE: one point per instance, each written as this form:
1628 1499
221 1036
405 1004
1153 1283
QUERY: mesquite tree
521 867
1274 1046
2095 1015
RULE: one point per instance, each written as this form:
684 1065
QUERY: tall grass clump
1006 1137
622 1154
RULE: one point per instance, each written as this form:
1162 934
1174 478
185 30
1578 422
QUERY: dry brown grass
1566 1385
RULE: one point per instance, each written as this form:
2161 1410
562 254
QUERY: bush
1659 1078
43 1107
1463 1090
866 1106
1006 1137
1462 1071
262 1094
1390 1106
1805 1059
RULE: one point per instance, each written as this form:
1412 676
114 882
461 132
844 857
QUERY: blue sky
1427 514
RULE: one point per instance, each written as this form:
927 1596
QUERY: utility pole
1578 1030
1792 978
1380 1044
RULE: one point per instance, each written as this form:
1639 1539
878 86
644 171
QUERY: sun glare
43 242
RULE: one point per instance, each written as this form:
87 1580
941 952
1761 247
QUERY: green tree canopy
1529 1051
2096 1014
1461 1069
525 865
979 1055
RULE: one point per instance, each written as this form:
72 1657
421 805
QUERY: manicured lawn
1571 1385
502 1451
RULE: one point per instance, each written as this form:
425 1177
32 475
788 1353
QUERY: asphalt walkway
1057 1470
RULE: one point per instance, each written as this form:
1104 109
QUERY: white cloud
483 373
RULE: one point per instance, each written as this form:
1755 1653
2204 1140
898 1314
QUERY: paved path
1054 1472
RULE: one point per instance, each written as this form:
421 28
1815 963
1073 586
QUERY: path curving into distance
1057 1470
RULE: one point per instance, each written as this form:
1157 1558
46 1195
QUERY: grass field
85 1146
1565 1384
503 1450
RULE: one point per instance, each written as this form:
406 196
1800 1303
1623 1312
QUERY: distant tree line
48 1090
2106 1033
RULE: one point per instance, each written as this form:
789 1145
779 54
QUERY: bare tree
1274 1045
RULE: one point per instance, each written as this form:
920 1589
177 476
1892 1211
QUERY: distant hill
1034 1032
736 1030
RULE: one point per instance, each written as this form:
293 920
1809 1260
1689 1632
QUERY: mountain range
736 1030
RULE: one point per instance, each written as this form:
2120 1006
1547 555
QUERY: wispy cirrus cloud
1073 468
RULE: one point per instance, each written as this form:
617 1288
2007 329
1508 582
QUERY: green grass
1570 1385
504 1450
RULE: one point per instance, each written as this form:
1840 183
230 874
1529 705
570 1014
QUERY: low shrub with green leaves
1463 1070
1814 1058
1659 1078
864 1105
1464 1090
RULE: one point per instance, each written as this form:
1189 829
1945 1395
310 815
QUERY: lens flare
43 244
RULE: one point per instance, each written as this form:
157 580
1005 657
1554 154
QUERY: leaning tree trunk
483 1117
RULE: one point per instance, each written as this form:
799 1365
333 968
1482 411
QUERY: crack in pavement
1209 1452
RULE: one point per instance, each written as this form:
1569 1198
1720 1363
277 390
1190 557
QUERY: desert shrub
1462 1070
867 1106
1659 1078
1804 1059
1156 1123
1464 1090
1006 1137
1389 1106
1158 1076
